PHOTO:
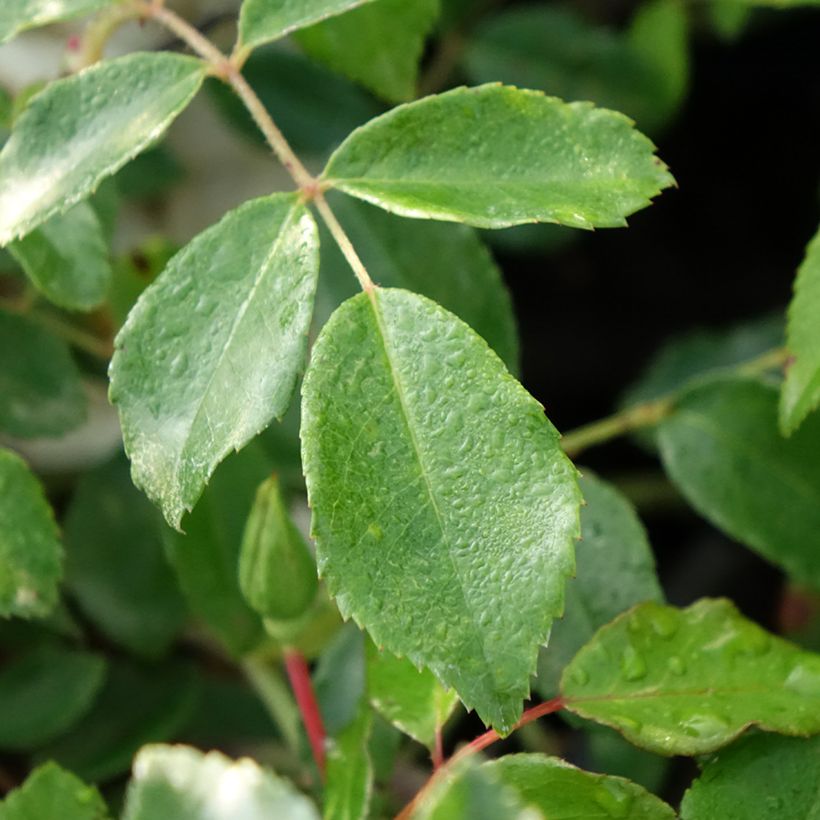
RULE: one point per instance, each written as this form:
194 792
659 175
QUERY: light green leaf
409 698
51 793
262 21
206 558
418 444
19 15
349 778
495 156
563 792
722 449
378 45
44 693
447 263
758 778
115 562
40 389
182 783
67 259
213 349
690 681
30 554
615 570
85 127
801 390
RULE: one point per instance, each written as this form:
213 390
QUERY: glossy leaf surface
83 128
615 570
758 778
19 15
379 45
262 21
690 681
40 389
447 263
723 450
801 391
426 460
495 156
51 793
30 554
44 693
183 783
212 351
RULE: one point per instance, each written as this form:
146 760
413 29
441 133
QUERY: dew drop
705 726
804 679
664 623
628 723
633 665
676 665
580 676
613 798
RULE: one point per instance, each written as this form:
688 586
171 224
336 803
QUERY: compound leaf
19 15
444 510
212 350
722 449
83 128
495 156
30 554
801 390
690 681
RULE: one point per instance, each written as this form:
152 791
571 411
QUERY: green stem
99 31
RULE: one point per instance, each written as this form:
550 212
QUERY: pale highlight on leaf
19 15
495 156
444 509
82 129
690 681
801 390
212 351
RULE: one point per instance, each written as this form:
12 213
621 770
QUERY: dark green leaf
30 554
378 45
115 562
19 15
349 780
760 777
44 693
40 389
722 449
447 263
615 570
212 350
81 129
495 156
418 444
340 679
51 793
67 258
690 681
184 784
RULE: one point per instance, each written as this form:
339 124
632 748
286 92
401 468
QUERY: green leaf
615 570
409 698
30 554
137 705
349 778
67 259
378 45
51 793
563 792
19 15
40 389
277 573
690 681
116 565
44 693
496 156
262 21
418 444
182 783
85 127
447 263
758 778
213 349
206 559
722 449
340 679
801 390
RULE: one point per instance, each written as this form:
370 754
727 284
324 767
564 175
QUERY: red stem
437 752
481 742
299 676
